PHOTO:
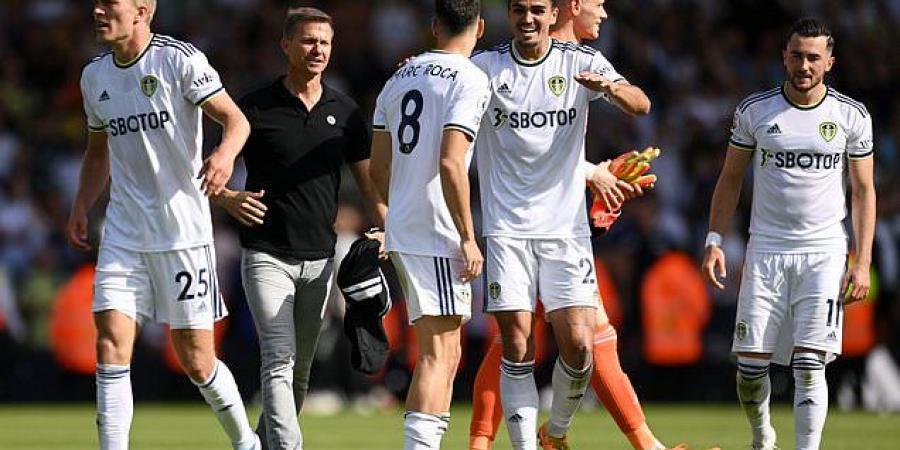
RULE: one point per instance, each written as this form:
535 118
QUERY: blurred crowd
696 59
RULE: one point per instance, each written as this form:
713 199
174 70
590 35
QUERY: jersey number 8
410 120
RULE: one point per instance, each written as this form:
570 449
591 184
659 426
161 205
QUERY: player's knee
580 347
198 365
518 350
196 371
579 356
111 350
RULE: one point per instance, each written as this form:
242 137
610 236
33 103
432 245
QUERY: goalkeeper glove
630 167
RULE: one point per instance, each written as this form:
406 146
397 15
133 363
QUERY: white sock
221 393
754 389
810 399
423 431
115 406
519 397
568 390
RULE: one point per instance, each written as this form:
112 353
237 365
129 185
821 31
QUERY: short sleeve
379 117
480 59
467 105
860 138
741 136
94 123
600 65
359 137
199 81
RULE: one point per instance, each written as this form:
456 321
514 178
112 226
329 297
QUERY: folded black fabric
368 300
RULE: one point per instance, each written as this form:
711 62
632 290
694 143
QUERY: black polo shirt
296 156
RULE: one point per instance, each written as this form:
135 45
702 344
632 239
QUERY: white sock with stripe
115 406
810 399
221 393
423 431
754 389
568 389
519 397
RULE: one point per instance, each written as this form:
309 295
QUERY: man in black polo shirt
302 133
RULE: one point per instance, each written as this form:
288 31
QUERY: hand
244 206
606 187
474 260
76 230
376 234
630 190
595 82
714 261
215 173
857 280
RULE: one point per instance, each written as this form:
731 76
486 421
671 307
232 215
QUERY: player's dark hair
810 28
554 3
303 15
457 15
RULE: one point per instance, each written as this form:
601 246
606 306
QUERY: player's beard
814 82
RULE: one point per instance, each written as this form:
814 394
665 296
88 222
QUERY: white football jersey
531 143
798 176
434 92
150 110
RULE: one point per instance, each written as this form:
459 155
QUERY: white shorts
178 287
559 271
433 286
790 300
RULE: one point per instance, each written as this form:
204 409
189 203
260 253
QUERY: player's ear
480 27
829 62
573 5
285 45
141 16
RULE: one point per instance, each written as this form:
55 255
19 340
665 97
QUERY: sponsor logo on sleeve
203 80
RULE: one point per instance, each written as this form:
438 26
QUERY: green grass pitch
192 427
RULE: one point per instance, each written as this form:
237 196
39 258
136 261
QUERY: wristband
713 238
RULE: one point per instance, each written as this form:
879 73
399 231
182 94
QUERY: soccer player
426 119
303 133
535 223
144 102
798 136
578 20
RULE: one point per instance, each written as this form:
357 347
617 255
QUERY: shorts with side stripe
559 271
433 286
790 300
177 287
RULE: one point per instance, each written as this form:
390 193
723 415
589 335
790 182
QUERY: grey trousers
287 299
